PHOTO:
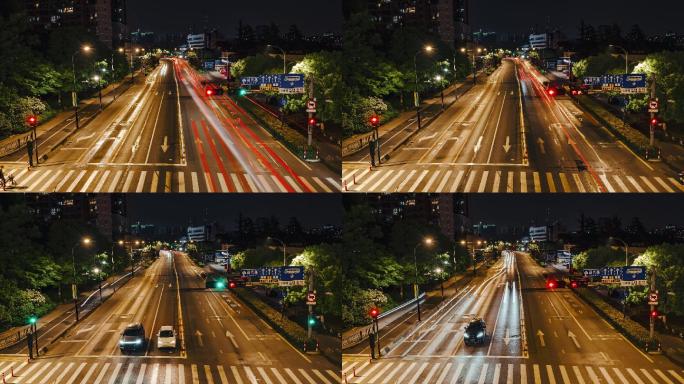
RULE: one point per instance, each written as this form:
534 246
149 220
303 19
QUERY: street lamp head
120 50
438 270
429 48
86 48
463 50
96 78
428 241
479 242
86 240
120 242
438 78
137 242
479 50
137 50
463 242
96 270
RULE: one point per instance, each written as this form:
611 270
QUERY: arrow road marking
232 339
199 338
165 146
539 333
507 146
574 338
507 338
479 144
541 145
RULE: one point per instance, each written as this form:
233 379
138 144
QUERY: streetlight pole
74 95
284 56
416 100
626 56
99 88
284 249
74 290
427 241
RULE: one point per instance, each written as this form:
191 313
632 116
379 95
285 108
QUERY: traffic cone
317 345
345 187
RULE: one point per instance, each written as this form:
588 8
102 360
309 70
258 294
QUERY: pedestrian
371 146
2 178
29 148
371 340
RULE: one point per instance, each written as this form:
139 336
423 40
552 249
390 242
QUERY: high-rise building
447 19
106 19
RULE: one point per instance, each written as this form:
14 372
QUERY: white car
166 338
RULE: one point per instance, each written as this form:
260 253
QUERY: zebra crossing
478 371
94 180
77 372
500 181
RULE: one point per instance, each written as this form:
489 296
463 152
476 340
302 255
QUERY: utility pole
653 307
652 125
311 289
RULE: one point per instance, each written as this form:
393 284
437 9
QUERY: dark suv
132 338
475 332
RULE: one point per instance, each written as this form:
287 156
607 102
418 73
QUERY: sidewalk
48 132
396 132
57 322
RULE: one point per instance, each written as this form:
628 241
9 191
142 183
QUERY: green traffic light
33 320
312 320
242 92
220 284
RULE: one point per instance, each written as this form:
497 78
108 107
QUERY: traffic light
312 320
374 312
242 92
232 285
654 121
654 313
574 284
551 91
33 320
32 120
312 121
374 121
220 284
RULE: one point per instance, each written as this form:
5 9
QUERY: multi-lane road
221 340
507 134
534 335
163 134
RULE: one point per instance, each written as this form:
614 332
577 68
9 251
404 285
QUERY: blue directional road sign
291 273
592 80
291 83
249 273
633 273
250 81
634 83
611 272
591 272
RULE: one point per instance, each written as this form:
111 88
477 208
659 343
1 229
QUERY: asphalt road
222 340
534 335
165 135
508 135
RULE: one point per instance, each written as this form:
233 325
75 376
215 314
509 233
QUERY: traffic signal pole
653 307
651 125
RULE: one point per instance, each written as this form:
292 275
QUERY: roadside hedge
292 331
631 329
631 136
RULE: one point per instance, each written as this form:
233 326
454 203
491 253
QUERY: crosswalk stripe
406 372
418 372
115 181
278 184
523 181
370 179
168 374
676 184
483 373
457 374
382 372
662 376
167 182
381 179
483 182
100 183
509 182
92 177
446 370
648 376
294 184
348 367
471 179
129 372
236 182
27 180
141 182
128 181
75 375
263 374
278 376
592 375
536 373
72 187
676 376
648 183
105 367
578 182
308 184
306 376
457 182
394 372
635 184
47 184
292 376
181 182
564 374
445 179
549 181
620 376
523 374
388 186
64 372
418 181
195 182
564 182
335 183
578 374
64 180
604 180
635 376
181 374
537 182
435 174
497 181
250 181
38 184
38 372
141 375
208 181
222 375
663 184
321 184
54 369
400 188
432 372
621 183
236 374
90 373
497 373
207 373
155 181
222 182
605 374
194 373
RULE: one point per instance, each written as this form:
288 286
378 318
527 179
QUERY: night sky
520 15
181 210
312 16
652 209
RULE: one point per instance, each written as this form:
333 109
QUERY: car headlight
138 341
481 334
121 342
466 335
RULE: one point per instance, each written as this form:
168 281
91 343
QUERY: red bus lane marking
212 145
548 101
205 165
234 165
268 149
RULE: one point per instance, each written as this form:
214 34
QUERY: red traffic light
32 120
374 312
654 313
573 284
550 284
551 92
374 120
312 121
654 121
209 91
232 285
